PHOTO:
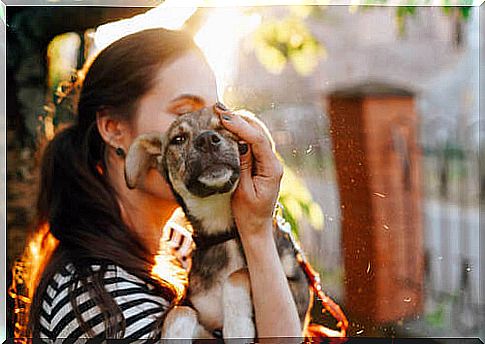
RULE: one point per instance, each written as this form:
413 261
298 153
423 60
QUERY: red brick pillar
374 130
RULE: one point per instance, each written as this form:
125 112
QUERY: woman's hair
76 200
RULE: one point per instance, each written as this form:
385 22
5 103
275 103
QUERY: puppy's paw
180 323
238 307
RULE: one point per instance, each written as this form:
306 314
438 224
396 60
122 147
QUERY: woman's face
185 85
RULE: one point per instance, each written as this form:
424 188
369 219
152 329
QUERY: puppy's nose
208 141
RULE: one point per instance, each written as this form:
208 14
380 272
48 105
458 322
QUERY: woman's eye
181 110
188 103
178 140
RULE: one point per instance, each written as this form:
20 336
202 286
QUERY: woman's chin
155 187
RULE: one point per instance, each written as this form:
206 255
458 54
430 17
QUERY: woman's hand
255 197
253 205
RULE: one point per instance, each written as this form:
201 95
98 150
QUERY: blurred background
374 110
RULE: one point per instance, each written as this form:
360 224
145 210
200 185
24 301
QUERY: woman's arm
253 205
276 312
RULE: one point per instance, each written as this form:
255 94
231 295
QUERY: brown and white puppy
200 160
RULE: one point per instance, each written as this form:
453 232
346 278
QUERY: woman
98 282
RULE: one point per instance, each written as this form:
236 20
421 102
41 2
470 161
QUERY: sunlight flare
169 15
220 38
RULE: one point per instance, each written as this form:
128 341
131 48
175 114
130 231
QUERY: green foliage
374 2
465 12
409 8
436 318
298 202
278 42
401 13
453 151
281 41
462 6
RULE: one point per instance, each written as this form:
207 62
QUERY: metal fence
451 226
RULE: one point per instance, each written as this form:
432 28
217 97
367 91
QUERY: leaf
410 10
278 42
271 58
316 216
436 318
298 201
465 12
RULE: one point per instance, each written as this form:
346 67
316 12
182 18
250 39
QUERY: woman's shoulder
139 302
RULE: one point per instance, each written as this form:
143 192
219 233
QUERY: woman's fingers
261 172
254 135
246 166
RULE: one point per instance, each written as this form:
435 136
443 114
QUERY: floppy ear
140 157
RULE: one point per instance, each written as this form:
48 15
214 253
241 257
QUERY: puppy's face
197 156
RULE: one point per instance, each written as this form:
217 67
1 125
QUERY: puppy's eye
178 140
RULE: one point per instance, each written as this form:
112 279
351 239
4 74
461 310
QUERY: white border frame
151 3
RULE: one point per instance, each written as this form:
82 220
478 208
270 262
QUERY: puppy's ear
140 157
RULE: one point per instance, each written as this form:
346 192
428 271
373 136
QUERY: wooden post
374 130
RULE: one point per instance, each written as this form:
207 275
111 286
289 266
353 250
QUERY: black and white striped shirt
140 305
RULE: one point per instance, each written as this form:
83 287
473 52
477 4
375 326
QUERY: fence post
374 133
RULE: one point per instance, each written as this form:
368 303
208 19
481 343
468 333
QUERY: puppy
199 159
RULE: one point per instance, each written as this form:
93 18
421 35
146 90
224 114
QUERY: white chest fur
213 212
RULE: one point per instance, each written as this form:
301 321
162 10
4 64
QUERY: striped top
140 305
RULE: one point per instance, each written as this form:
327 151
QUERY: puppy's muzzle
208 142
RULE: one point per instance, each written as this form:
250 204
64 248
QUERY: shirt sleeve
140 305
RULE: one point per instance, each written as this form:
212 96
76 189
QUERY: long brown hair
76 201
